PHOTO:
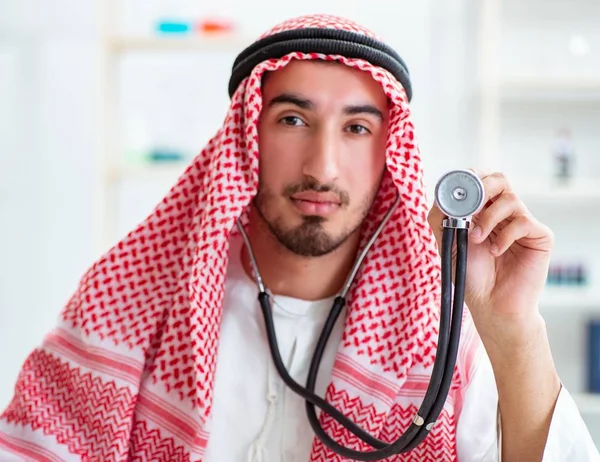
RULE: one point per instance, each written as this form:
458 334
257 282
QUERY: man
162 355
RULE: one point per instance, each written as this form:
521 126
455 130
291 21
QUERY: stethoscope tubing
443 368
437 391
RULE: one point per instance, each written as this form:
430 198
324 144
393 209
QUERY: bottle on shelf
564 156
215 25
581 274
563 274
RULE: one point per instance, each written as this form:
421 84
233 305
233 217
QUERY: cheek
277 165
364 172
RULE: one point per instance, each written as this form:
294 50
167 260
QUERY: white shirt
256 418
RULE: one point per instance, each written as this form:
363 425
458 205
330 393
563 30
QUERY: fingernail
494 248
476 233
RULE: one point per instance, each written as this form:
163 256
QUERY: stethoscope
459 194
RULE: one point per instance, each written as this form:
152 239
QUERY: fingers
522 226
504 207
494 184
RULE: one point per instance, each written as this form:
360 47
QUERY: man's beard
310 239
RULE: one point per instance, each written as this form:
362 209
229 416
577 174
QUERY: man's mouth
317 197
315 203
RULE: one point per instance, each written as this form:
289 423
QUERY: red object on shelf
215 26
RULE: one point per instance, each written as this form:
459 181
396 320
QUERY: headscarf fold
128 371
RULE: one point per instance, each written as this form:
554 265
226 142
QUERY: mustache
311 184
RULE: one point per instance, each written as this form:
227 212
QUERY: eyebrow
364 109
290 98
305 103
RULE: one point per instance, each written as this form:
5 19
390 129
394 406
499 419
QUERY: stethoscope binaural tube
459 194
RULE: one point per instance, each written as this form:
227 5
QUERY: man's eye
358 129
292 120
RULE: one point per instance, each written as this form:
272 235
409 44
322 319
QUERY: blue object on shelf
593 356
173 27
165 155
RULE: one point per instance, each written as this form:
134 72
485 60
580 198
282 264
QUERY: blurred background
103 103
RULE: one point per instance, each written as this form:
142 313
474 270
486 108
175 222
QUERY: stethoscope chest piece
459 194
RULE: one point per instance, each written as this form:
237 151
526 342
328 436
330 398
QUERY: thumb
435 218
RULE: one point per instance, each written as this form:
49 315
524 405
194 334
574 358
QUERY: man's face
322 137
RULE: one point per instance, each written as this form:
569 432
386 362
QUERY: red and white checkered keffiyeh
127 373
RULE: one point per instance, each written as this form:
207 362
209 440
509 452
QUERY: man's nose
322 161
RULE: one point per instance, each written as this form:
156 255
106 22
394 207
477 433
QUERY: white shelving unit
584 191
557 299
173 43
169 170
112 168
550 89
503 94
497 87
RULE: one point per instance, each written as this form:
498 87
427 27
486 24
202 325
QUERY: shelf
552 89
166 170
227 43
587 403
578 191
569 299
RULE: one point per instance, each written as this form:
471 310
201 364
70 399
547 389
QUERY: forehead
324 80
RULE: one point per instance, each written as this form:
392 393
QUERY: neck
288 274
